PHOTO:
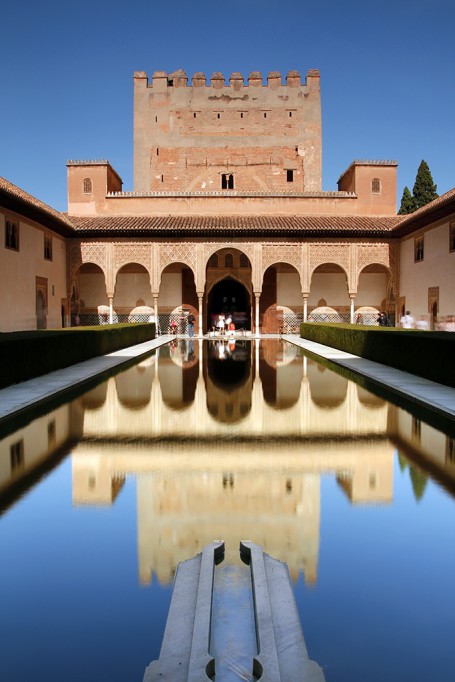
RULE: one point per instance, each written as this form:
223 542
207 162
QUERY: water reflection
228 440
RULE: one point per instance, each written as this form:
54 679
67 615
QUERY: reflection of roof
304 226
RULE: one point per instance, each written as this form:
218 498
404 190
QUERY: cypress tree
407 202
424 189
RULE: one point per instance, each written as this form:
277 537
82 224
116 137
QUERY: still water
101 498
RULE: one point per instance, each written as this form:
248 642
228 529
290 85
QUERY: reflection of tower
229 493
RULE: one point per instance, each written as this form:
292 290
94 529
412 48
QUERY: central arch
229 296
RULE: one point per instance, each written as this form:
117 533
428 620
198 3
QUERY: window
376 186
229 260
12 235
290 176
88 186
47 247
51 434
416 429
452 237
450 450
16 452
418 249
227 181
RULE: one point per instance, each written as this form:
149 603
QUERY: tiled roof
15 199
308 226
440 208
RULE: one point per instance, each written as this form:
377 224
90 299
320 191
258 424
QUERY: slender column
199 300
155 311
305 308
352 297
111 310
256 298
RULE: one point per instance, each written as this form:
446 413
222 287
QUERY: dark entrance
229 296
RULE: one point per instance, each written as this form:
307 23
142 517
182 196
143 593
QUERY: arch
178 374
95 399
281 302
281 377
132 284
375 288
229 295
228 286
328 390
134 387
329 286
88 293
229 376
177 295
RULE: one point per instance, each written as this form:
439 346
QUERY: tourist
191 321
359 318
422 323
407 321
221 323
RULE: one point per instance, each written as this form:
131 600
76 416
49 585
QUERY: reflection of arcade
229 379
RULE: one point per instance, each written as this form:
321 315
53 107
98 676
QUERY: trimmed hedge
25 355
426 354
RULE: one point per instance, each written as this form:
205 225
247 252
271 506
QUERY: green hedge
426 354
25 355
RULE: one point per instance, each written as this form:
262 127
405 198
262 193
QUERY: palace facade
227 215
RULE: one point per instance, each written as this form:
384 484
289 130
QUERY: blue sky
66 69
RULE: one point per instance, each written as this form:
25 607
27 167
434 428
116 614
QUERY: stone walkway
422 391
20 397
23 396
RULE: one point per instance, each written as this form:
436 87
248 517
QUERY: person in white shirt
407 321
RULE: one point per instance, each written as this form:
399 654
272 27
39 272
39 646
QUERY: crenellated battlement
178 79
211 133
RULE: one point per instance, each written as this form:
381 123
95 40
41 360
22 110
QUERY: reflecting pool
102 497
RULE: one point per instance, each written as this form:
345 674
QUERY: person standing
191 320
407 321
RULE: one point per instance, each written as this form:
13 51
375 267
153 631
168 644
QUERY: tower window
218 115
290 176
376 186
227 181
194 115
88 186
265 114
290 114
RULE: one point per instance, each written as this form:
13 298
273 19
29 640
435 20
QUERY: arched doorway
41 322
229 296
